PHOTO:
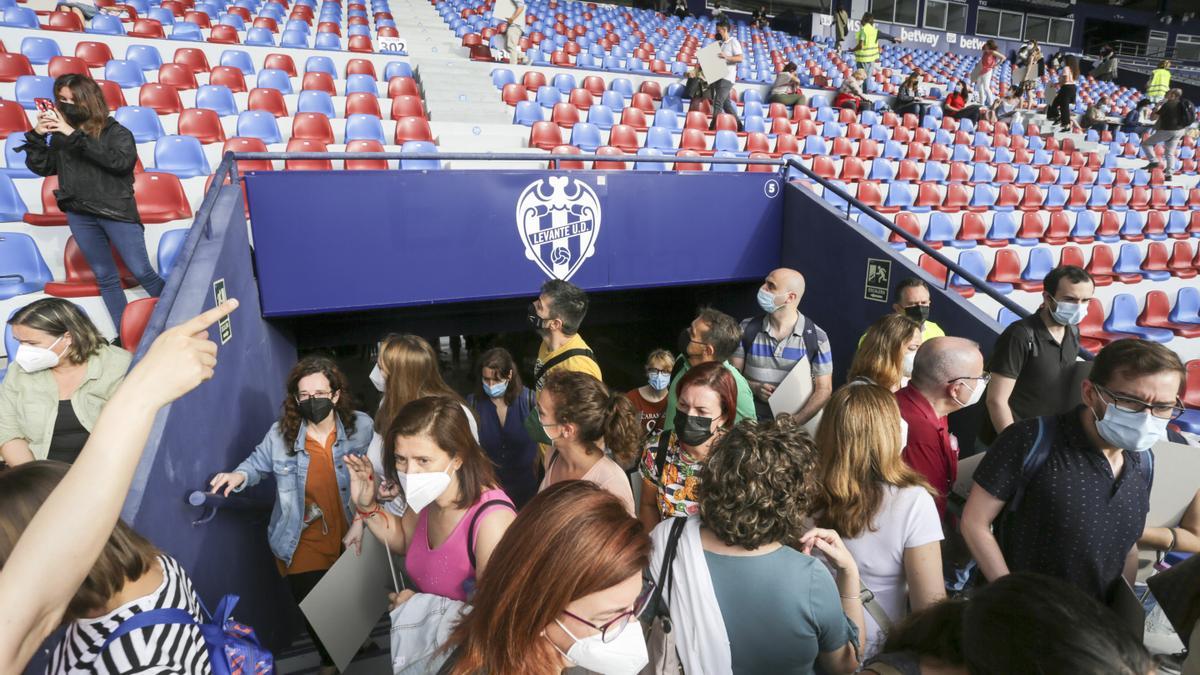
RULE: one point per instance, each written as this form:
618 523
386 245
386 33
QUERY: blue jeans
95 237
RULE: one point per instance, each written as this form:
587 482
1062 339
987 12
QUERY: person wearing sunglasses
1075 488
305 452
741 599
564 589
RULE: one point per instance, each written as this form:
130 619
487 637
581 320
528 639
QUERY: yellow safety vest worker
1160 82
868 44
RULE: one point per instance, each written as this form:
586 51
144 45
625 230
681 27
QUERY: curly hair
859 443
290 420
754 488
878 358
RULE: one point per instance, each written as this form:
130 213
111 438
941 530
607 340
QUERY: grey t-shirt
780 610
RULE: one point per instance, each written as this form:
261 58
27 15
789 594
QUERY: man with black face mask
914 301
556 315
1074 488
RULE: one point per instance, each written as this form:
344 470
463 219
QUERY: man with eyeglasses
1074 488
1034 358
947 376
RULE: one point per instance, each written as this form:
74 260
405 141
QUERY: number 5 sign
391 44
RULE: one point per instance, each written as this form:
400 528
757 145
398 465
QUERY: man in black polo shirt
1033 359
1078 514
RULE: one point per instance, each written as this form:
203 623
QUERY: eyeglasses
984 378
304 396
1165 411
612 628
656 371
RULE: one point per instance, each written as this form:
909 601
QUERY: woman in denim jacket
305 452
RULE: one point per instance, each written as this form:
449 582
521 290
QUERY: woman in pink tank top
456 512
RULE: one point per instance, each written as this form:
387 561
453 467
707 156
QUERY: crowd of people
562 513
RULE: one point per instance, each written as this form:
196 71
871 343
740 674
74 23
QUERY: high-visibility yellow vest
868 44
1160 83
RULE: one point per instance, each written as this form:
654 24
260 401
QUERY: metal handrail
211 502
506 157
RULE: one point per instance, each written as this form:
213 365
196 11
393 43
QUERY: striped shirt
174 649
770 360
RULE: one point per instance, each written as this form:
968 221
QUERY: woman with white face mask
456 510
886 352
564 589
58 380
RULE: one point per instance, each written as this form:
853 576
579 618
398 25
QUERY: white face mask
909 359
625 655
976 394
377 378
420 489
32 359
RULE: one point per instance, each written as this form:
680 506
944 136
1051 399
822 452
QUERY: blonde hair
410 366
661 357
859 447
878 358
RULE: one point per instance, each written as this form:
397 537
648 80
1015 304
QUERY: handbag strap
874 608
666 574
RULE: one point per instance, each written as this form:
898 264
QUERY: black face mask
534 319
315 409
692 430
71 113
918 313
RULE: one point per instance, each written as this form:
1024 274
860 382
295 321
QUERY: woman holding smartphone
93 157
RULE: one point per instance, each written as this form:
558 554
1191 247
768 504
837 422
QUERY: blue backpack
233 649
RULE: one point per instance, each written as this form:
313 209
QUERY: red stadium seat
160 197
62 65
80 280
413 129
934 268
609 165
64 21
147 28
177 75
224 35
565 115
642 102
405 86
202 123
51 214
624 137
1059 230
361 67
407 106
633 117
1156 315
228 76
282 62
652 89
513 93
1181 264
1157 257
362 103
1006 268
268 99
14 65
581 98
162 97
687 166
1071 255
134 320
594 84
113 95
908 223
972 228
247 144
193 58
822 165
566 164
533 80
96 54
365 145
312 126
12 118
319 81
544 135
307 145
695 140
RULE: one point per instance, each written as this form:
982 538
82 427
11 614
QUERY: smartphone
43 104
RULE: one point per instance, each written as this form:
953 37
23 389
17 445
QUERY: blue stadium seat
1005 225
661 139
397 69
24 269
1041 261
12 207
127 74
528 112
294 39
1187 306
169 246
622 86
1066 175
898 196
107 24
564 82
163 16
189 32
419 146
601 116
935 171
1123 314
1177 222
15 161
882 170
363 126
311 100
726 168
274 79
39 50
321 64
727 141
548 97
1098 199
1129 260
145 56
1006 316
1135 223
259 37
216 97
984 196
259 124
30 87
141 121
234 20
180 155
20 17
503 76
236 58
645 165
361 82
815 145
328 42
972 261
586 136
941 230
614 100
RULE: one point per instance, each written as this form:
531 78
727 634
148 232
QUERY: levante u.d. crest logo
558 219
